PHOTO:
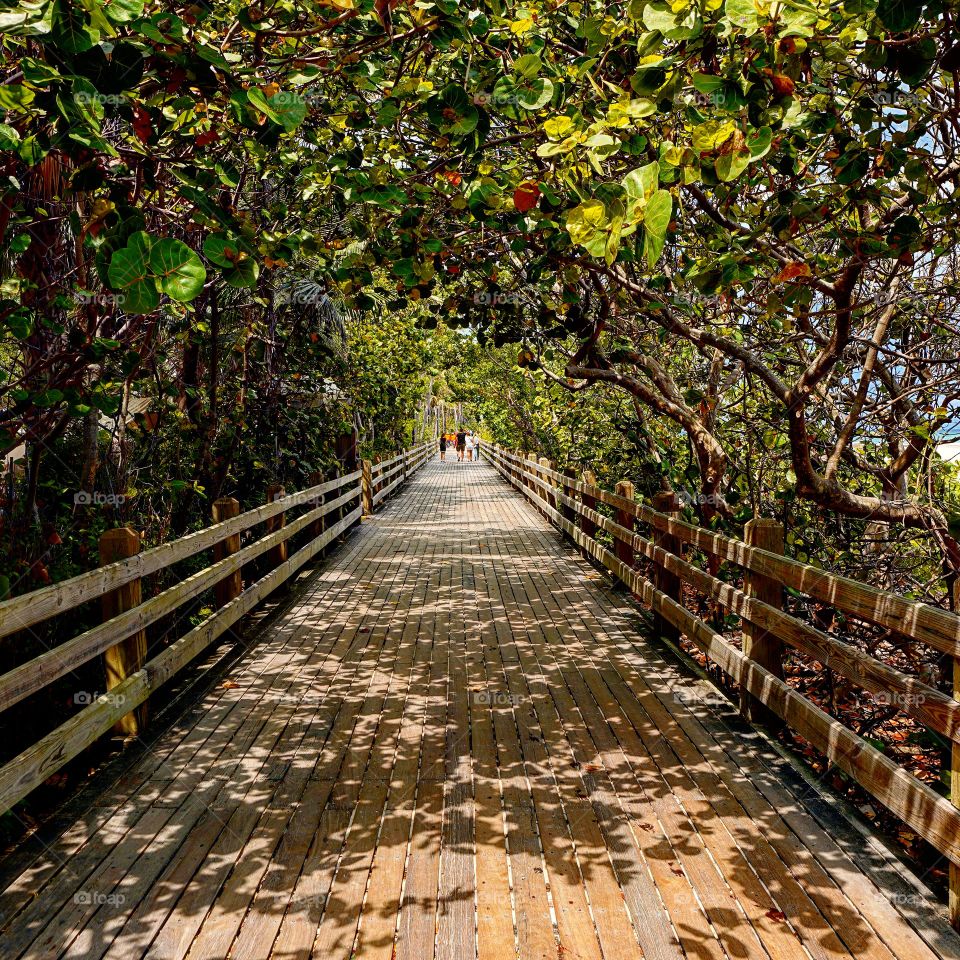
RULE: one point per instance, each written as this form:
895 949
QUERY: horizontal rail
914 697
30 608
19 776
415 458
35 674
932 816
912 618
27 771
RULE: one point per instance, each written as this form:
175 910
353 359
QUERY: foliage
719 209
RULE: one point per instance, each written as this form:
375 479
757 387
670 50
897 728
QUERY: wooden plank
280 737
748 862
930 815
37 673
232 585
267 877
738 774
456 920
577 933
495 926
36 763
340 773
417 919
931 625
763 646
535 933
378 924
166 772
209 912
367 790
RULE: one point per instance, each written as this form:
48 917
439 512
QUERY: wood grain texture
455 743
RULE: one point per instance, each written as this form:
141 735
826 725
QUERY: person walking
443 447
461 444
469 446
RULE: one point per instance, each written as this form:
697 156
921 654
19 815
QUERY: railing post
547 464
624 551
955 780
278 554
569 513
317 526
231 585
128 656
589 528
665 581
367 481
758 644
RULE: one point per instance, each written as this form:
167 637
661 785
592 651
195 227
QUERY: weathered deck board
454 744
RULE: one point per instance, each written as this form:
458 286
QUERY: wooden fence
571 505
334 506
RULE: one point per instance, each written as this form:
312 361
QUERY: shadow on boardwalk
457 743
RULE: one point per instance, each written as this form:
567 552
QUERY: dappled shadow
454 738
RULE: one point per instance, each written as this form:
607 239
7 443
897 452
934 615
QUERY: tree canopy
740 215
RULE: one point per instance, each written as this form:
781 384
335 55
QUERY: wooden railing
334 507
382 478
571 505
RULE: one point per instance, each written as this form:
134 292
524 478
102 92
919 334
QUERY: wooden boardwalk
457 744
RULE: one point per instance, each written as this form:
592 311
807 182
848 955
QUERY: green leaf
223 250
656 221
123 11
15 97
27 19
285 108
759 142
180 272
584 221
129 275
9 137
535 94
453 111
899 15
743 15
244 274
527 66
731 163
712 134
